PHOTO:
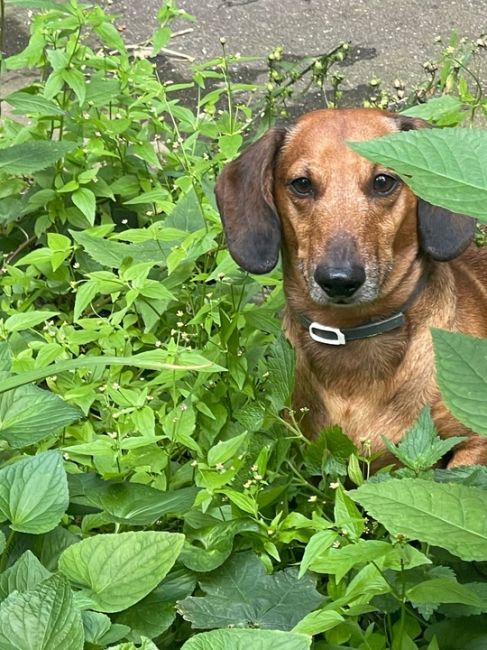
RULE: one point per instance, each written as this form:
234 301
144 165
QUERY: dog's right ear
244 195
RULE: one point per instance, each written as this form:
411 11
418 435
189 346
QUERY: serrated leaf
443 590
187 215
29 414
95 626
437 108
42 619
447 167
281 365
27 103
140 505
28 319
421 447
347 516
461 365
24 575
248 639
451 516
116 571
76 81
241 594
34 493
33 156
113 253
339 561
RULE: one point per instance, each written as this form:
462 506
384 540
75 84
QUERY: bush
150 487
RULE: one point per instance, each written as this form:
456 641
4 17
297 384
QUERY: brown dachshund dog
368 269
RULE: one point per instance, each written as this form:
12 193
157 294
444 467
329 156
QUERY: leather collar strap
335 336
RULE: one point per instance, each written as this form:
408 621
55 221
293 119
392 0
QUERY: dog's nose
340 281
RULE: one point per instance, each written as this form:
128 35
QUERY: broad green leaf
438 109
34 493
461 365
42 619
28 414
95 625
281 365
28 103
339 561
447 167
148 618
76 81
465 633
28 319
443 590
451 516
85 200
248 640
101 90
33 156
317 545
187 215
241 594
243 501
318 622
140 505
116 571
225 450
24 575
112 253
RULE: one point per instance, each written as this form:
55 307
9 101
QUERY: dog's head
347 226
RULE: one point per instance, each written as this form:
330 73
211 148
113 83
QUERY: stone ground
390 38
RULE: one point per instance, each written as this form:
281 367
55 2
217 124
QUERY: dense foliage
155 483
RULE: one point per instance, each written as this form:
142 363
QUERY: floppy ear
244 195
443 235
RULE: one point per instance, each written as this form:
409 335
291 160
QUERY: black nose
340 281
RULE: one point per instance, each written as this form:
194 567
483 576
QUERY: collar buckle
338 339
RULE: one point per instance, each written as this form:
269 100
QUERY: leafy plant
156 483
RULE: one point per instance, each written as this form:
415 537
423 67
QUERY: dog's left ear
443 235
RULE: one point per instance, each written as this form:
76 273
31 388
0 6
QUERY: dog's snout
340 281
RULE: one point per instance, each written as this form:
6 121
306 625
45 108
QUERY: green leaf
226 450
318 622
347 516
281 365
241 594
422 447
95 625
248 640
113 253
438 109
451 516
116 571
317 545
34 493
28 319
42 619
443 590
27 103
33 156
446 167
339 561
76 81
461 365
140 505
85 200
187 215
29 414
24 575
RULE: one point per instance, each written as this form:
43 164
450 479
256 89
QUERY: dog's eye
384 184
302 186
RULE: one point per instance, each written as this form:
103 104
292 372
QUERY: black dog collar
336 336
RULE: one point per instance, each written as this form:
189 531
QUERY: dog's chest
364 398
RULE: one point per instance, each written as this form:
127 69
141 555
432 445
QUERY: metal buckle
340 336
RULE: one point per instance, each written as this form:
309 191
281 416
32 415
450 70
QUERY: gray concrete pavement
390 38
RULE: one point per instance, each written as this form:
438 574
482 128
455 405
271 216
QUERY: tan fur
376 386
